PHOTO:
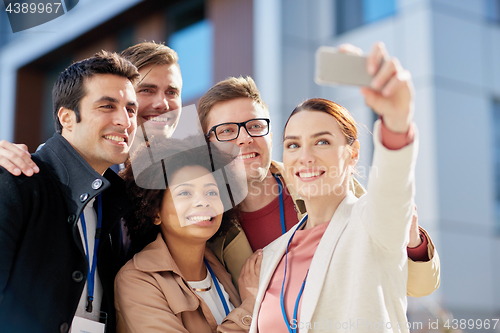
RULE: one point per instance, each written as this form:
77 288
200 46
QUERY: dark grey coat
43 267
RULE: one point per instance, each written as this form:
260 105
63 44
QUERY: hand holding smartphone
334 67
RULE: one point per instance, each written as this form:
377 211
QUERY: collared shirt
91 223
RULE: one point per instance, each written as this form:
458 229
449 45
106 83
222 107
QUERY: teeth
160 119
309 174
243 157
199 218
114 138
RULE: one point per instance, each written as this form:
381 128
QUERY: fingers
21 146
249 276
376 58
387 71
397 82
252 261
258 263
252 265
349 48
414 220
15 158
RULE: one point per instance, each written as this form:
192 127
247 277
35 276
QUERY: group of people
165 247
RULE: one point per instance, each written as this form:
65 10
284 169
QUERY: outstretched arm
391 182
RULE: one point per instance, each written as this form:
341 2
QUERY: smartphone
333 67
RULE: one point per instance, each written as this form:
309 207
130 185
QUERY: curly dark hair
146 182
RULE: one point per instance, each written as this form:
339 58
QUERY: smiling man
60 232
159 87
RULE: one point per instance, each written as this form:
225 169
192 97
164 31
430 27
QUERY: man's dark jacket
43 267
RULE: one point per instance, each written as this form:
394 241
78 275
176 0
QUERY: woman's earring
157 221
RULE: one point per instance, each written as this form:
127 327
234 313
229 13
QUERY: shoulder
279 244
9 182
276 167
129 278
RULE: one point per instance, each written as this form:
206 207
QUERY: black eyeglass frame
240 125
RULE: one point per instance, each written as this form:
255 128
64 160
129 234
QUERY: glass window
47 122
70 4
5 29
194 46
492 10
351 14
496 159
125 38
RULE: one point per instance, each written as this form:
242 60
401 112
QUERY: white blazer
357 278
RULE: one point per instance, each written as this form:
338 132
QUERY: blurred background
451 47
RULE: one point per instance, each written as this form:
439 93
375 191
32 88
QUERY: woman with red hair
344 266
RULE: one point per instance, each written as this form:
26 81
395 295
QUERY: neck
260 193
188 257
322 208
100 169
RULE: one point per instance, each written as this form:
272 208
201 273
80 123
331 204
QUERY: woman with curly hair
175 284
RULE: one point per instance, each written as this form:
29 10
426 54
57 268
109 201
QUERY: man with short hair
232 111
60 232
159 88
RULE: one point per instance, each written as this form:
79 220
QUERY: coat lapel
271 258
322 258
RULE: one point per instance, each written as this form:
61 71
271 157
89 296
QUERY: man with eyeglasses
233 111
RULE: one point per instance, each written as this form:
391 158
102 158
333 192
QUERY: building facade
451 47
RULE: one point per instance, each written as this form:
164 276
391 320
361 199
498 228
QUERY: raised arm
423 271
391 182
15 158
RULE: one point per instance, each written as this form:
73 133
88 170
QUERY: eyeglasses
230 131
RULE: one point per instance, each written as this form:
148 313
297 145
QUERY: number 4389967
471 324
32 8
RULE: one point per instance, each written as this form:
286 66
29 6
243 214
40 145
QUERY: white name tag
82 325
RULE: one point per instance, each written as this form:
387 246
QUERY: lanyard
91 271
217 286
295 309
282 209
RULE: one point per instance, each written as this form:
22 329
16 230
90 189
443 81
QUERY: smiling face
108 121
159 97
255 152
191 208
317 159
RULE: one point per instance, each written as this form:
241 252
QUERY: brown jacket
152 296
233 249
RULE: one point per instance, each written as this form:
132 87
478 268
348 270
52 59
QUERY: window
496 159
70 4
192 39
351 14
47 120
492 10
125 38
5 29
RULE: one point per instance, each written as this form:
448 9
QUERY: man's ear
67 118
